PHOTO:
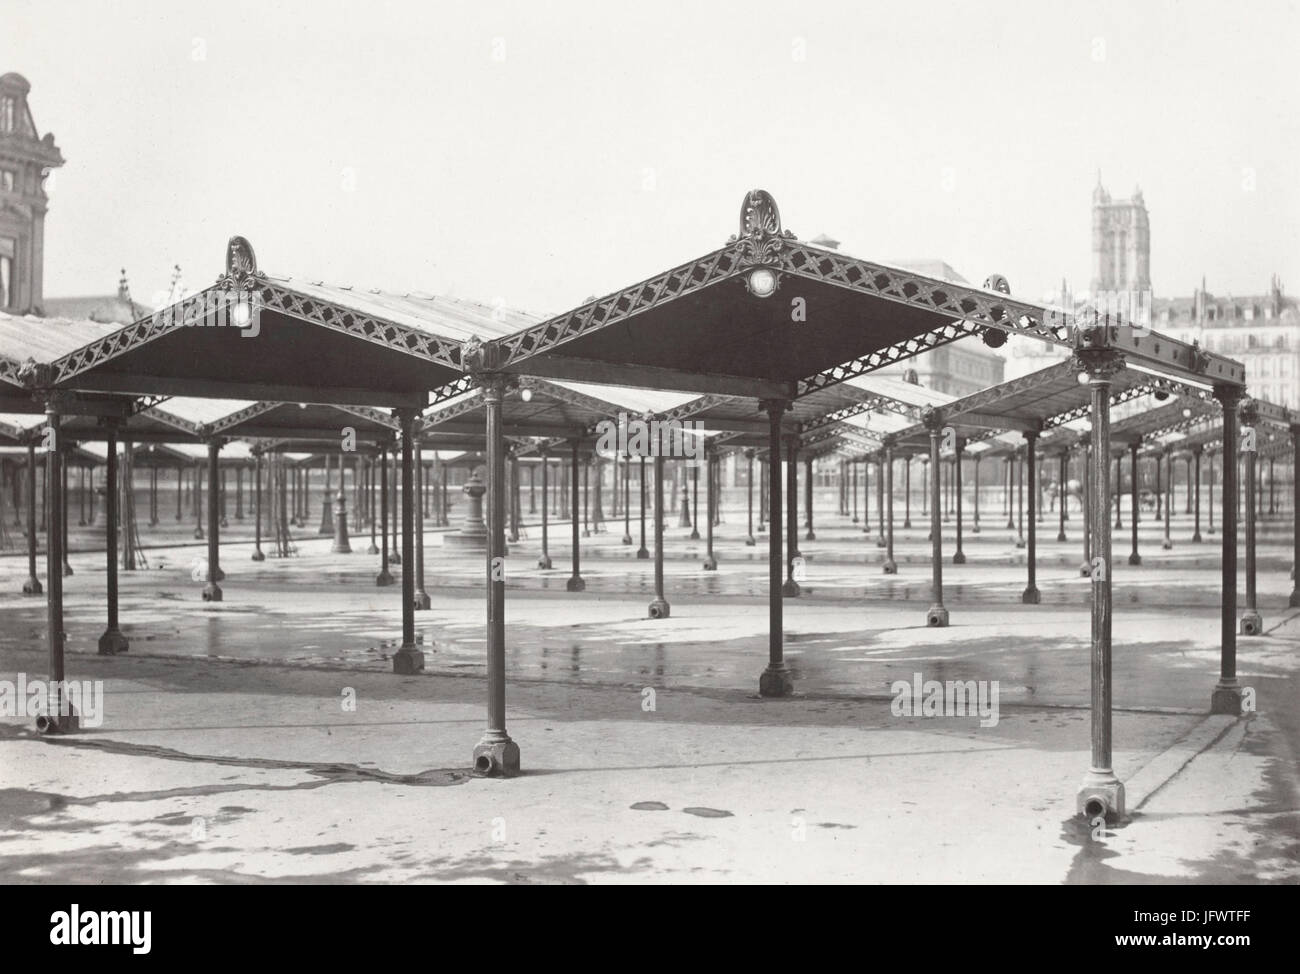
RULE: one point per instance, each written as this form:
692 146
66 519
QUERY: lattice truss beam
869 404
196 309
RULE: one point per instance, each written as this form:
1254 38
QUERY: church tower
25 160
1121 243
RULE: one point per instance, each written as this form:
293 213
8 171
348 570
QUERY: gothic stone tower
1121 243
25 160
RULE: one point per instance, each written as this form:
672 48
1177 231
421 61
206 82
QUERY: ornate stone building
25 160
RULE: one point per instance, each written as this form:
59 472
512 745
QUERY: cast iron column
495 752
1102 793
1085 501
853 490
710 503
575 582
749 499
808 497
409 658
791 587
1226 698
1196 532
890 566
659 608
695 503
627 498
1031 595
907 492
642 553
958 556
880 501
212 591
112 641
1251 622
776 680
1063 492
975 516
1019 468
1295 514
1134 558
257 505
421 597
545 560
56 719
1169 496
384 577
937 614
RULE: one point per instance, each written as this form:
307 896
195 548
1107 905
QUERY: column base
750 542
710 564
1167 544
627 539
880 543
1085 569
408 660
258 555
975 529
959 558
776 681
575 584
936 617
113 642
1294 601
693 536
642 554
394 559
1060 536
1252 623
224 523
221 576
495 758
372 549
67 570
890 567
422 602
1020 542
544 562
69 723
790 589
1196 538
212 592
1101 794
660 609
341 548
1226 699
810 536
1135 559
907 525
383 579
1031 596
198 535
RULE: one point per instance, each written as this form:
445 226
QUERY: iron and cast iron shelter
772 318
766 317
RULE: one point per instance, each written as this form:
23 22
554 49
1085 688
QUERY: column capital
932 419
1229 396
774 407
1099 364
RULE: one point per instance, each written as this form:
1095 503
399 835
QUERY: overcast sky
540 153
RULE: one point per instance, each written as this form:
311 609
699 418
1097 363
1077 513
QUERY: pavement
647 754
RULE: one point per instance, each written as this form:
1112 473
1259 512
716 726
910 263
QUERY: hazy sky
539 153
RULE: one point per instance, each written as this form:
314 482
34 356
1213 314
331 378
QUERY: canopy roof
258 336
771 316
